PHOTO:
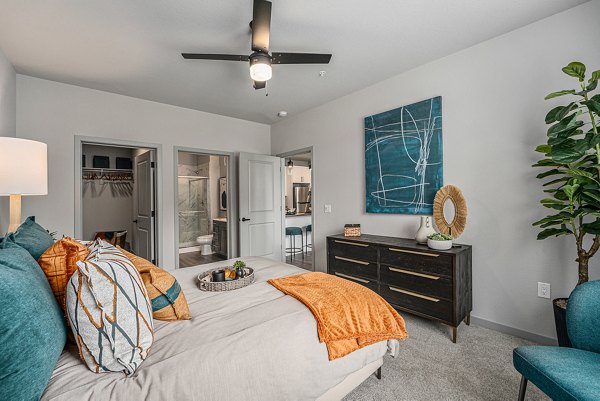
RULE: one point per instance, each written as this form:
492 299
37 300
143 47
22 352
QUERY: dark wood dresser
411 277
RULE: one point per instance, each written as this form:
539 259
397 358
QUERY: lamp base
15 213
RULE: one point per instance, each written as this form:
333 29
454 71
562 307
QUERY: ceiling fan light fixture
260 67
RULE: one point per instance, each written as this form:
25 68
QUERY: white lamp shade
23 167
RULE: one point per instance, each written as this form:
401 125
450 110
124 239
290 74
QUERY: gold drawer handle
433 255
414 273
360 262
352 278
414 294
351 243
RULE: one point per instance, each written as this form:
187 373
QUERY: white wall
493 117
54 113
8 102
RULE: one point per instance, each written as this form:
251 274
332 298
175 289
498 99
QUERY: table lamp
23 171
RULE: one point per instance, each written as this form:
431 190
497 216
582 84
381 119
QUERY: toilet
205 242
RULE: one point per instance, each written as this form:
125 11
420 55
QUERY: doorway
117 196
298 215
203 204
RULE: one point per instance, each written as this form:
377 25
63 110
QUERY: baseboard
536 338
189 249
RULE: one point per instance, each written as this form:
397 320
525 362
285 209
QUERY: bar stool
291 251
308 229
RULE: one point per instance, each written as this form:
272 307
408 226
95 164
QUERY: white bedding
254 343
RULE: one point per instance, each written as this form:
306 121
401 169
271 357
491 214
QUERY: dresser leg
454 330
468 319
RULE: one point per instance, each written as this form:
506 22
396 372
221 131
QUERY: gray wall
8 105
54 113
493 117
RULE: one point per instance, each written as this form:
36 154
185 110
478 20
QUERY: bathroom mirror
450 211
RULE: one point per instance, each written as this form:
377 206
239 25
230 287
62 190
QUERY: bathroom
202 208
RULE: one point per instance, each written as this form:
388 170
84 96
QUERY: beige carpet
431 368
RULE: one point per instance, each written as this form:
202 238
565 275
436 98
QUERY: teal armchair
568 374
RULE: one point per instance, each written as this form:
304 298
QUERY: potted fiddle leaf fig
572 175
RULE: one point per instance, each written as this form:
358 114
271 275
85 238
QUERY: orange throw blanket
349 316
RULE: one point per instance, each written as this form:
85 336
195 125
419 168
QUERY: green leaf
567 151
575 69
548 173
570 190
595 76
591 86
544 149
560 93
581 173
557 218
592 228
554 204
593 105
560 112
546 163
553 232
556 181
565 126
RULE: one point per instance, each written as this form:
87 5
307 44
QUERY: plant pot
560 319
439 245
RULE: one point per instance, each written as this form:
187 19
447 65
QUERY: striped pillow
109 311
168 300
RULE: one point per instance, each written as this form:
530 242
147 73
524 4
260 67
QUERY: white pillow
109 311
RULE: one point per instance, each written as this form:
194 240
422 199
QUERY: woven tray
205 282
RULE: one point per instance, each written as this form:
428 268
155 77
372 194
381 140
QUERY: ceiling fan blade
300 58
260 84
226 57
261 25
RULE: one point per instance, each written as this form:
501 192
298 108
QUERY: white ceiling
133 47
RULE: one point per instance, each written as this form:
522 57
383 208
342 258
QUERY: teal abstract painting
403 158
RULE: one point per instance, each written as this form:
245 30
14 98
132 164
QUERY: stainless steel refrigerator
301 197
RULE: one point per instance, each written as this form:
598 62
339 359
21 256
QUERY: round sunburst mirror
450 211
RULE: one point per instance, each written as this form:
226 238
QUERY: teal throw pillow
32 328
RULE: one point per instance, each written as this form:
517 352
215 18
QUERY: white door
144 207
260 196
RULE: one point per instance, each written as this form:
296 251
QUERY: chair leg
378 373
522 388
302 246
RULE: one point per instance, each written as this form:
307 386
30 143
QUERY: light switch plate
327 208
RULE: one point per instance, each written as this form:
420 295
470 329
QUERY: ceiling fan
260 60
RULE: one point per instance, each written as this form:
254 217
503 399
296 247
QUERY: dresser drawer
421 261
353 267
425 283
353 250
413 301
370 284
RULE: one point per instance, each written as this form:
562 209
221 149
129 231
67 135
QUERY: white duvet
254 343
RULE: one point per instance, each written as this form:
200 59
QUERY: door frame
81 140
232 199
290 154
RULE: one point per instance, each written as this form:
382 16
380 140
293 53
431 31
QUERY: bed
253 343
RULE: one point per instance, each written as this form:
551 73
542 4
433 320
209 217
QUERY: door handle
245 219
134 221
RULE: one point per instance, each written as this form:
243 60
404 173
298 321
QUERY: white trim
189 249
232 199
79 140
536 338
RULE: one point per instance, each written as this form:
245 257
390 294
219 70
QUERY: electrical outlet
543 290
327 209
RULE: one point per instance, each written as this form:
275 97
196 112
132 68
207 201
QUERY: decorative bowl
439 245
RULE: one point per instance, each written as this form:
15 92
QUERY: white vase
425 230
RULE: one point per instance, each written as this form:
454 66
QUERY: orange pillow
58 264
166 296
